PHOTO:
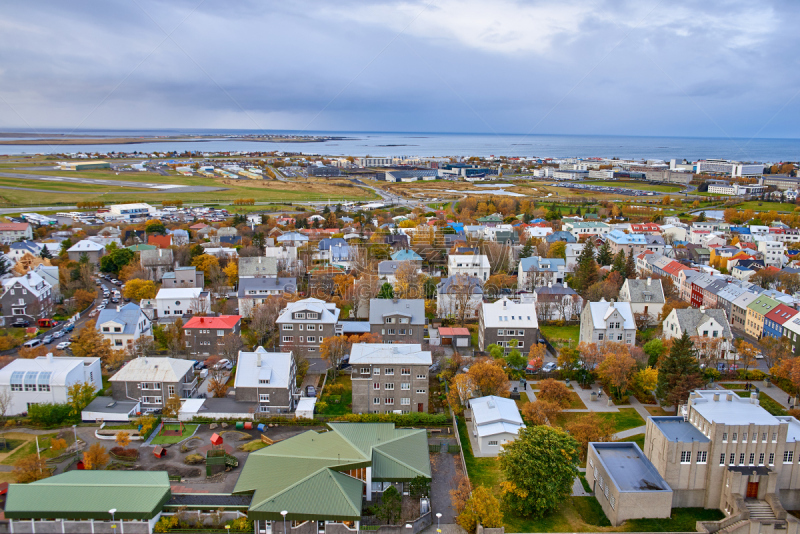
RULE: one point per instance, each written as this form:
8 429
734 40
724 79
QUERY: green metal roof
90 495
763 305
305 474
139 248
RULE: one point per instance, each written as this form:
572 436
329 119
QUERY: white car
224 364
63 345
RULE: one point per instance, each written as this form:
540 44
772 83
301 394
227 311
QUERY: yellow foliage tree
205 263
646 379
232 272
123 439
95 457
138 289
482 507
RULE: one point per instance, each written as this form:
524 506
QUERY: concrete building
27 298
608 321
207 336
535 272
469 265
756 311
398 320
267 380
389 378
253 292
644 296
258 267
11 232
156 262
702 324
132 211
304 324
458 296
626 484
94 251
495 422
172 302
151 381
506 320
183 277
46 379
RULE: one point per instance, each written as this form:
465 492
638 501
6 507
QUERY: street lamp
283 513
75 432
438 517
112 512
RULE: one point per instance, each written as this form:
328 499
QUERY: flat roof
109 405
676 429
730 409
628 467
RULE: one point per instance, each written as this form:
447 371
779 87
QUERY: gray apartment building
304 324
397 320
267 380
27 297
183 277
505 320
389 378
206 336
152 381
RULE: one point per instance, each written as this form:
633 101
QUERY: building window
686 457
170 390
774 437
722 459
405 371
724 437
421 377
376 400
761 458
389 386
288 327
405 401
263 397
389 371
741 459
493 444
287 339
405 386
376 385
389 400
376 371
788 456
744 437
365 370
752 458
735 437
764 437
732 459
772 458
702 457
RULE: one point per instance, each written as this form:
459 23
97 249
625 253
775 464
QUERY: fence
460 447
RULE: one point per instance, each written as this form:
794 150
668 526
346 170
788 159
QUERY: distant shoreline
41 139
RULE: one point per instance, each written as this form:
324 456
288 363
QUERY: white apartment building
131 211
774 253
734 168
474 265
602 174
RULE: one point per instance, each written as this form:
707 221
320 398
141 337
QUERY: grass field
766 206
30 448
639 186
338 404
561 335
161 439
638 439
625 419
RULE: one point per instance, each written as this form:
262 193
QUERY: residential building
645 296
561 235
608 321
156 262
774 253
254 291
702 324
495 422
151 381
387 269
258 267
123 325
19 249
406 254
90 249
45 379
11 232
176 302
458 296
132 211
159 241
49 274
470 265
398 320
619 240
27 297
557 302
776 318
756 310
586 229
791 329
535 272
267 380
739 309
309 316
334 249
207 336
505 320
389 378
183 277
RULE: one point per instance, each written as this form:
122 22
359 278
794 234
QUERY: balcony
189 386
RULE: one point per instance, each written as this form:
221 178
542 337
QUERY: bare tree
231 345
461 291
263 317
546 308
142 346
5 402
182 255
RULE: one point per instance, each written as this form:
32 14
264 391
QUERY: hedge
410 419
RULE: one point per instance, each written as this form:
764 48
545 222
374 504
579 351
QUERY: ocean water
439 144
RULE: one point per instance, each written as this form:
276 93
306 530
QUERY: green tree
419 486
539 467
155 227
79 395
604 256
619 263
527 250
679 373
495 351
386 291
45 253
630 265
389 508
586 270
654 350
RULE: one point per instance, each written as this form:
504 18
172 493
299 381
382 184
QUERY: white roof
253 367
179 293
736 411
29 281
602 310
86 246
150 369
495 415
58 367
191 405
329 313
478 260
306 404
380 353
506 312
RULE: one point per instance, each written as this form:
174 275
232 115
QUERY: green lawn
766 402
160 439
30 448
561 335
635 185
681 520
338 404
766 206
625 419
638 439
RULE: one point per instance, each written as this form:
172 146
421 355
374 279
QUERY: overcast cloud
714 68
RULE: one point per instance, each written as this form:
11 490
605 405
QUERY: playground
174 433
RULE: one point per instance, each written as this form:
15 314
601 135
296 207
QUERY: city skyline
720 69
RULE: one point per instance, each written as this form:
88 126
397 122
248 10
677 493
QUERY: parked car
58 334
311 391
63 345
69 328
223 364
549 367
47 340
33 343
21 324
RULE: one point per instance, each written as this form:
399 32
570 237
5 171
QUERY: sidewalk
600 405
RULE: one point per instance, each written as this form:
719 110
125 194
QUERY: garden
337 396
174 433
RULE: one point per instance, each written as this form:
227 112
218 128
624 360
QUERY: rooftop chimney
730 397
549 284
202 320
649 281
716 397
49 357
159 252
258 360
702 309
259 259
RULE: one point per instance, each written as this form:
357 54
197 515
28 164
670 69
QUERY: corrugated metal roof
90 494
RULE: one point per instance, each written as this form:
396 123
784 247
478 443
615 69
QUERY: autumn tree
590 427
83 298
747 354
679 373
536 356
232 272
459 393
90 343
95 457
407 281
482 508
122 438
79 395
146 422
541 412
217 377
539 468
788 369
645 380
554 391
205 263
172 407
489 378
334 349
29 353
774 350
138 289
30 469
616 370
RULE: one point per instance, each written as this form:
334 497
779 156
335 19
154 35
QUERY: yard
766 206
560 336
29 447
161 439
337 397
625 419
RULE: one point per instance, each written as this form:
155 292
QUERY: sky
705 68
